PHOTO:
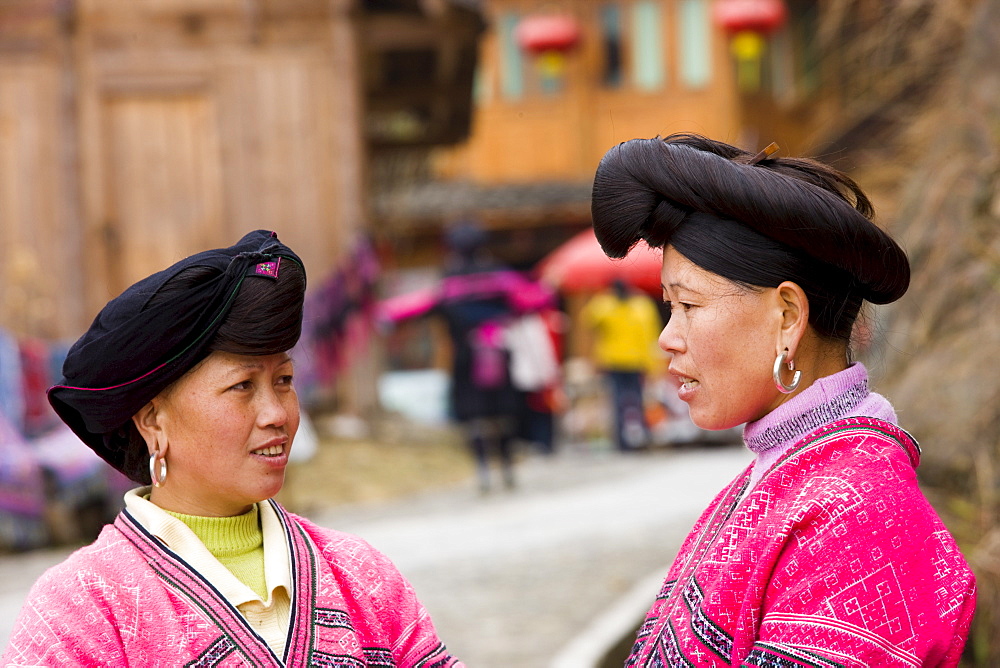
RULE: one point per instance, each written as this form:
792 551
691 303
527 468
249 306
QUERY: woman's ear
147 422
794 307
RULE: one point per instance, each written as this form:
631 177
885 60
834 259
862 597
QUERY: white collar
176 535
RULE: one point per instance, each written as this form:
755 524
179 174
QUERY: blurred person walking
535 343
624 325
499 349
184 384
478 299
824 552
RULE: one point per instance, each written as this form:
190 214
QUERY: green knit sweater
237 542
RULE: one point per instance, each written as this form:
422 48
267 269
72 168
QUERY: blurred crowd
512 375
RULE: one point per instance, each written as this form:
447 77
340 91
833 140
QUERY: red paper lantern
758 16
547 32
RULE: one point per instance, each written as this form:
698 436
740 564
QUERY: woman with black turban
823 552
184 383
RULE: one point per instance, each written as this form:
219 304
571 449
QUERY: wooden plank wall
562 136
164 195
40 291
136 132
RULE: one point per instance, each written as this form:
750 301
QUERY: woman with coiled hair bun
824 551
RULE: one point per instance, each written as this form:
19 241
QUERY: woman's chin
273 487
712 422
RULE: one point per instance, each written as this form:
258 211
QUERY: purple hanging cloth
22 497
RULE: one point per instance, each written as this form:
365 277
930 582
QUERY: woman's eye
245 385
285 380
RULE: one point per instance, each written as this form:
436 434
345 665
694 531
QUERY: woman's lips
688 386
274 448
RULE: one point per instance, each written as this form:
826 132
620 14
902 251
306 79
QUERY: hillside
936 178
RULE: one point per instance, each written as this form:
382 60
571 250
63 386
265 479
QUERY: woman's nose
670 340
273 411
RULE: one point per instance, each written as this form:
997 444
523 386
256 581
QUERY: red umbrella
579 265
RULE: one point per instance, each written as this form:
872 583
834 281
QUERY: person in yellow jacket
625 325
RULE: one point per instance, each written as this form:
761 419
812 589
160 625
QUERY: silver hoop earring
779 361
153 460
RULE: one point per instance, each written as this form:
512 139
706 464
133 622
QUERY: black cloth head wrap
131 353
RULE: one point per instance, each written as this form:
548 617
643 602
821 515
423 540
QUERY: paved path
512 578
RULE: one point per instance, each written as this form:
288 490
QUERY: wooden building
135 132
544 118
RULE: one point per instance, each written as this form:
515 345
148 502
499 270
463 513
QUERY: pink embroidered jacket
127 600
835 558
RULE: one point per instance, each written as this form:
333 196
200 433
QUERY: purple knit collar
827 399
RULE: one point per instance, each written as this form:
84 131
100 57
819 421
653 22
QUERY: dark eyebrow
680 286
250 366
256 366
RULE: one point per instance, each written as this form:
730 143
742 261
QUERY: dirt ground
394 459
